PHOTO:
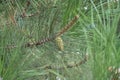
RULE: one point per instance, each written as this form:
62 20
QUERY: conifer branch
69 25
67 65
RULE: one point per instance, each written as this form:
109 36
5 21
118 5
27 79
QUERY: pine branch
67 65
70 24
63 30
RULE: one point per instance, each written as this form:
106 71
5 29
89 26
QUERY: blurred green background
95 35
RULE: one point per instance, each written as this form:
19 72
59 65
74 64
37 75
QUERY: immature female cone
59 43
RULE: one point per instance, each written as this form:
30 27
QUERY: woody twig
23 15
67 65
70 24
63 30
